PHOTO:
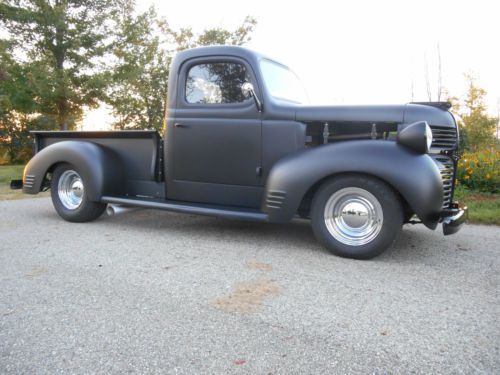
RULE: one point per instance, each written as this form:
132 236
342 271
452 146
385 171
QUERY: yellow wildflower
466 177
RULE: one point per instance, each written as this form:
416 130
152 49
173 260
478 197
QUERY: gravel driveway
153 291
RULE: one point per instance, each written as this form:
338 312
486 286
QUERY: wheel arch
414 177
100 167
305 203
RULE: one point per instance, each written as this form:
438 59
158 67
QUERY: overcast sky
365 52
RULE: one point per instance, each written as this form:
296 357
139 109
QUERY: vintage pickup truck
240 142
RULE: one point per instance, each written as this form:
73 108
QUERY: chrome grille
443 138
447 168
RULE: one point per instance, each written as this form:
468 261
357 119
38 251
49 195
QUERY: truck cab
241 141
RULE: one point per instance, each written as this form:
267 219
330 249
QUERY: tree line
61 57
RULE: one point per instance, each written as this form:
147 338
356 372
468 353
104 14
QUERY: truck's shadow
412 245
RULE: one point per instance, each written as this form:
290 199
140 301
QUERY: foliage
140 77
143 48
62 40
479 165
18 91
4 157
185 37
477 129
64 55
16 84
61 56
480 170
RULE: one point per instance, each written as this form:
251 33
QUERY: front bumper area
453 219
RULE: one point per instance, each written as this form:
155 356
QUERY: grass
13 172
484 208
10 172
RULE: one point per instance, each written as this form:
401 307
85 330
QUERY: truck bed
139 150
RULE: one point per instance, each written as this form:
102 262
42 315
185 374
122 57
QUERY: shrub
4 156
480 170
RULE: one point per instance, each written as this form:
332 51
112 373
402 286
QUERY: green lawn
13 172
7 173
10 172
484 208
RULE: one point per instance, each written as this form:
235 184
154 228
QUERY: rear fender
415 176
99 167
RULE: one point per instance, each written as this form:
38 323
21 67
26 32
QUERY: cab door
216 156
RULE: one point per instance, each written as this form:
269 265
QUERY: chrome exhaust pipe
116 209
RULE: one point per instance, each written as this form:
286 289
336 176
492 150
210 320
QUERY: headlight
417 136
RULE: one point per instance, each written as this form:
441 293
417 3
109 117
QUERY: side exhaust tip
116 209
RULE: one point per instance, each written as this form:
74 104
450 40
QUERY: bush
4 157
480 170
16 143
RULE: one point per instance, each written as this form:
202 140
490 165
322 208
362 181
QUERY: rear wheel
356 216
70 196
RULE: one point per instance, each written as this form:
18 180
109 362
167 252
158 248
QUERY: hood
403 113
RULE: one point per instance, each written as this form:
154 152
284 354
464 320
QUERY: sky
361 52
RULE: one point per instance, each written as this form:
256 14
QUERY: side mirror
247 90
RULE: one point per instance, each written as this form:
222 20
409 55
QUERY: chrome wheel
353 216
70 189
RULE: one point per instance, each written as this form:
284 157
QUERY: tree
63 40
63 56
144 48
139 80
17 105
476 126
185 37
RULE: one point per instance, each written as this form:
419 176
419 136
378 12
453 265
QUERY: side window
216 83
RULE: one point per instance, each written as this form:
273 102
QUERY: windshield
282 83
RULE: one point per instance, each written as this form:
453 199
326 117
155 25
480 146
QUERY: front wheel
356 216
70 196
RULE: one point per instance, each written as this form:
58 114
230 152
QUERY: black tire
384 233
86 210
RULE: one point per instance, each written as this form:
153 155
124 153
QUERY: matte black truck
240 142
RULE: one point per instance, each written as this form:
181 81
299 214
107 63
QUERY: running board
190 208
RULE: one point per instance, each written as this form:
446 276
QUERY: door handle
179 125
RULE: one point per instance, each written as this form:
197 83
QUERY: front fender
415 176
99 167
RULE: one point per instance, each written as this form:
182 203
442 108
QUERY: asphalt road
158 292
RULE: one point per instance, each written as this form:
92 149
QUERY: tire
70 197
369 216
